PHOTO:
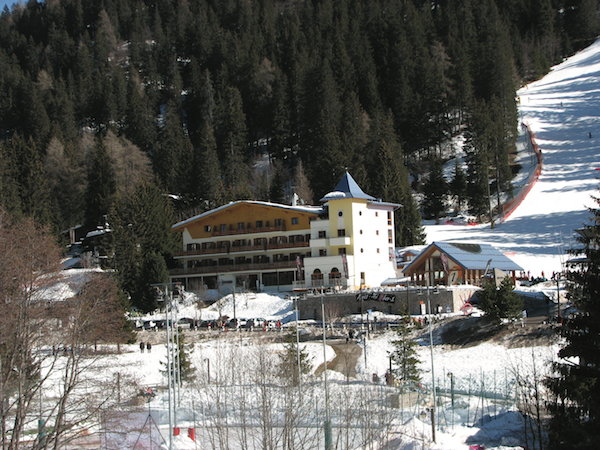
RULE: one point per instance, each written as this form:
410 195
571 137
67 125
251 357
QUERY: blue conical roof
347 188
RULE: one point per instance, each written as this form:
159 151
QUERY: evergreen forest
107 106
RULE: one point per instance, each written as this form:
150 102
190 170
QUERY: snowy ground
562 110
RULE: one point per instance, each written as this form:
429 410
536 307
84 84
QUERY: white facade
363 231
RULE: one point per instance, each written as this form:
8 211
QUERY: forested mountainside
106 105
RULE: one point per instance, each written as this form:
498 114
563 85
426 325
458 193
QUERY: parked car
211 323
185 322
150 325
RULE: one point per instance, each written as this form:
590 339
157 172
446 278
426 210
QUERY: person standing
148 347
142 347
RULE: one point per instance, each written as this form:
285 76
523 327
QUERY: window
391 254
342 251
377 250
286 278
322 235
207 228
223 227
259 224
317 278
334 276
390 237
341 233
269 279
376 214
389 214
376 232
278 222
360 231
323 252
360 213
294 221
240 225
361 250
340 213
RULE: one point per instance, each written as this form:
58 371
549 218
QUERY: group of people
147 346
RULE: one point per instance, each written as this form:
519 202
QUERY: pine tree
458 185
278 183
101 188
404 355
153 271
502 302
151 216
575 385
324 165
389 179
231 135
206 184
9 188
127 254
186 369
435 190
33 190
288 360
171 155
139 120
65 178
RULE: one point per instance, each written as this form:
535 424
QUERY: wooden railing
241 248
233 268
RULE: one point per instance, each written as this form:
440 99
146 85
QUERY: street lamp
432 371
207 361
327 423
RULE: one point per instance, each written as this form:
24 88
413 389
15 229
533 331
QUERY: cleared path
345 360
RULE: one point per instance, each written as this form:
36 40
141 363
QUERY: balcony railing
331 283
234 268
248 231
241 248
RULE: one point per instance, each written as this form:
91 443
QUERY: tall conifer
575 385
101 188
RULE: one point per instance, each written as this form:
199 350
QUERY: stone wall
390 301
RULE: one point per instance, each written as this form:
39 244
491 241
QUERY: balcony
339 241
252 267
320 242
240 248
249 231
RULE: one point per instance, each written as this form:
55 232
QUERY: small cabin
459 263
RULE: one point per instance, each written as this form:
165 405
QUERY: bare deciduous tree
44 340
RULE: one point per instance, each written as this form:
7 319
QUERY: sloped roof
470 256
304 209
347 188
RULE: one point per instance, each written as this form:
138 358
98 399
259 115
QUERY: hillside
98 97
562 111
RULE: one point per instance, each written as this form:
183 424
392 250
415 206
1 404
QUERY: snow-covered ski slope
563 110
